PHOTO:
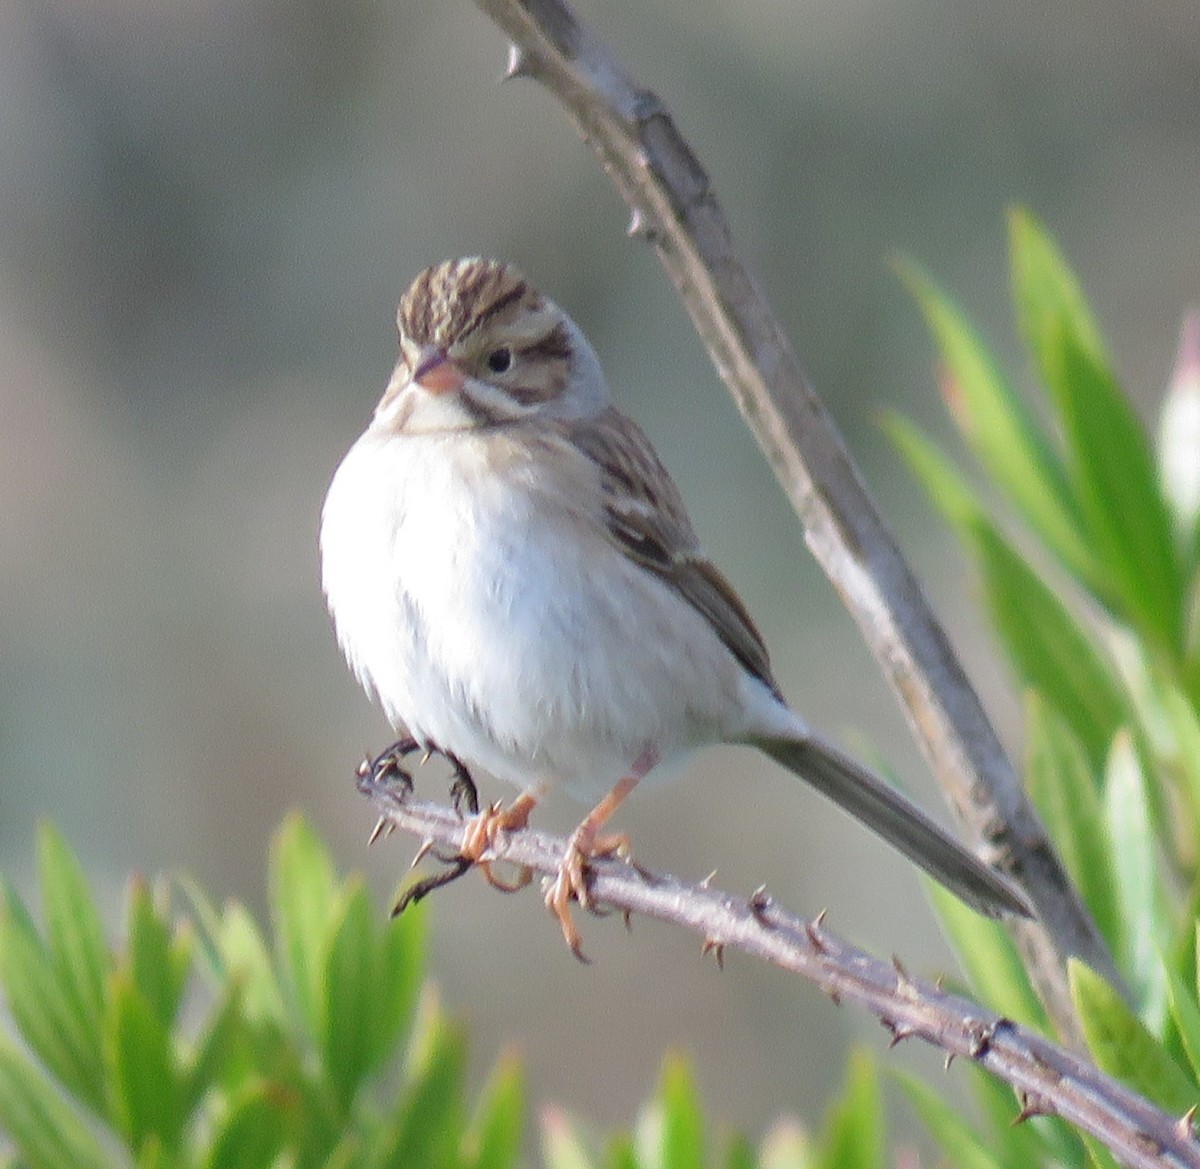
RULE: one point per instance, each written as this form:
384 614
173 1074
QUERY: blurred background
207 213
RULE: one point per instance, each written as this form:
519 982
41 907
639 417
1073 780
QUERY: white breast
487 615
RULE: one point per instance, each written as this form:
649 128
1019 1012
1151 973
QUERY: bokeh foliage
1083 534
204 1041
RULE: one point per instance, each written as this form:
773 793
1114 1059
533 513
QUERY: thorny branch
675 208
1047 1079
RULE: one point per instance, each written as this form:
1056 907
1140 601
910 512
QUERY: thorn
379 830
707 882
812 930
939 982
365 767
716 949
1185 1127
422 852
899 1031
426 757
627 918
517 64
1031 1105
641 871
949 1060
759 902
835 995
640 227
904 981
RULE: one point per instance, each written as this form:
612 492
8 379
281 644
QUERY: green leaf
152 1155
1118 487
1020 1145
158 961
303 891
1108 453
739 1153
75 935
948 491
1044 642
1003 432
681 1138
1099 1155
143 1080
346 1155
1064 787
788 1146
252 1133
426 1128
1186 1013
853 1136
209 1062
44 1010
989 960
621 1153
1183 762
1179 437
1122 1046
244 955
965 1148
397 980
1162 743
1046 292
320 1133
347 981
1141 901
36 1117
494 1138
73 927
562 1146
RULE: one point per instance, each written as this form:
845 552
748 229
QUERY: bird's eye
500 360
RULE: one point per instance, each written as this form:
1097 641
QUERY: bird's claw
388 767
571 881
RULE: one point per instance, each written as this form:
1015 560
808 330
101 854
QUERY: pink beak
436 373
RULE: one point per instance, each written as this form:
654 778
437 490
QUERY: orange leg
586 844
482 830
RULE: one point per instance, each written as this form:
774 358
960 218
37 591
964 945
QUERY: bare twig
1047 1079
675 208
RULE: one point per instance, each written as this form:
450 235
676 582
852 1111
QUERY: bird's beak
436 373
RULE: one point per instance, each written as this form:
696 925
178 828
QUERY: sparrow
513 577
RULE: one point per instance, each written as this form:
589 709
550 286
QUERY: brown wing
647 520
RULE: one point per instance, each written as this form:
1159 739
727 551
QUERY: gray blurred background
207 213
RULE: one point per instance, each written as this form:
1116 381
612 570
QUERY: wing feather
646 519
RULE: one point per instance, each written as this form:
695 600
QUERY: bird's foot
419 890
481 834
462 789
389 767
571 881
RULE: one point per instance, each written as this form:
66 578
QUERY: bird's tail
885 811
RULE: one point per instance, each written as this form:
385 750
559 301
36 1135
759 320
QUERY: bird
513 577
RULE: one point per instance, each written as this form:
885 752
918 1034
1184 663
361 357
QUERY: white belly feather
488 619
